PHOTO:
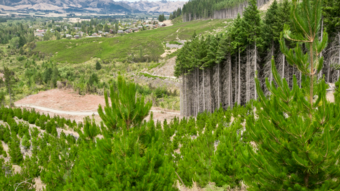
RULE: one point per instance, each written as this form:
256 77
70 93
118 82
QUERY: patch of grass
177 20
154 66
175 42
151 76
120 47
173 54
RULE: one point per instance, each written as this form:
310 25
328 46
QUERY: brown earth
68 100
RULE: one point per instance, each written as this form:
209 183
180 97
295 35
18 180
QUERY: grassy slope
77 51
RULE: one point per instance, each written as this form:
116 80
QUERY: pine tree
9 80
227 167
1 149
132 160
293 139
90 130
98 66
125 109
272 25
14 150
26 142
331 16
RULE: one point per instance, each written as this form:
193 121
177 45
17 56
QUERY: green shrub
18 113
35 132
21 58
25 142
1 149
32 117
14 150
175 42
98 66
13 124
140 164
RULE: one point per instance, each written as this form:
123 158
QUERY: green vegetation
286 140
175 42
151 76
161 18
124 109
247 32
77 51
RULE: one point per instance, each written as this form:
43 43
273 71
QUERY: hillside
120 47
156 7
101 6
65 5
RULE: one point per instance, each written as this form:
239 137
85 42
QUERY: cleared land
69 101
120 47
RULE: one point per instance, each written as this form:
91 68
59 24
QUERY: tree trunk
239 78
185 96
339 57
218 87
10 96
235 77
255 96
229 81
320 73
283 66
203 90
272 54
197 91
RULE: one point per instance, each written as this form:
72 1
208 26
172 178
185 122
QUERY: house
81 33
140 27
74 20
40 30
106 33
128 31
100 32
68 36
76 36
135 29
39 35
111 31
94 34
120 32
84 20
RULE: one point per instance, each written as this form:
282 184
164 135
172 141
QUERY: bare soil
168 69
68 100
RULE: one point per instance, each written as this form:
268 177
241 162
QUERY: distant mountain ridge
100 6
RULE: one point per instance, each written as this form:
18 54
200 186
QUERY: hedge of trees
220 69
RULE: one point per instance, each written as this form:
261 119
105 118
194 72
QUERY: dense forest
220 69
217 9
